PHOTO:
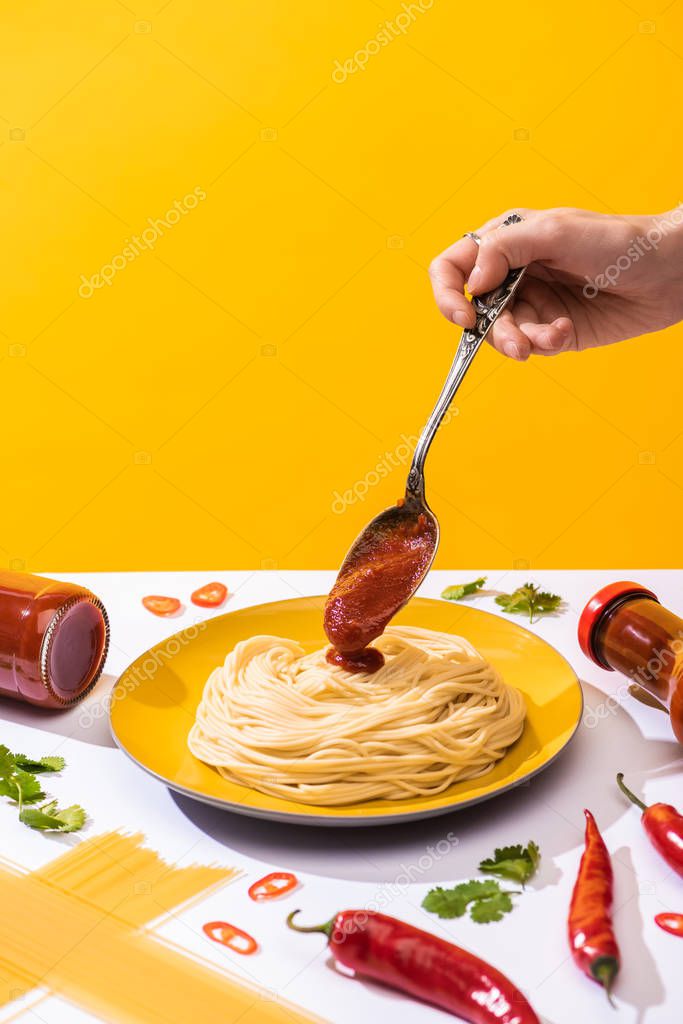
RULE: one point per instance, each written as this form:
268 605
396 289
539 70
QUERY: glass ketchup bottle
53 640
625 628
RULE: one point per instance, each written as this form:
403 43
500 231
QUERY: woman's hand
591 279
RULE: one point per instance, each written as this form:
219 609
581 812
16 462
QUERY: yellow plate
156 697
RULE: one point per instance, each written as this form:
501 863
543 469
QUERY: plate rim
345 821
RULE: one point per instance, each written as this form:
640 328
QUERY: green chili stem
627 792
605 971
326 928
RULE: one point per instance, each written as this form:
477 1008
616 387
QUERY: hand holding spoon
390 558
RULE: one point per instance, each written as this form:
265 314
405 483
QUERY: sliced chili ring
211 595
159 605
671 923
231 936
277 883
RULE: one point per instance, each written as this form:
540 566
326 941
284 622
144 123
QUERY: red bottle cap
596 608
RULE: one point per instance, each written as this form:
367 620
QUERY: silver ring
513 218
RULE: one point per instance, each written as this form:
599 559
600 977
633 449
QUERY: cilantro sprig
460 590
43 764
529 600
485 899
50 817
18 782
515 863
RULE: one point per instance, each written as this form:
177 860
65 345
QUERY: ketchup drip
379 575
369 659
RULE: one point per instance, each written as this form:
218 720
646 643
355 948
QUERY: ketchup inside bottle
75 648
53 639
644 641
625 628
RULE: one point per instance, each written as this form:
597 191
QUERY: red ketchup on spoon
380 574
392 555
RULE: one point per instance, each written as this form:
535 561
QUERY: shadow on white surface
639 983
87 721
550 805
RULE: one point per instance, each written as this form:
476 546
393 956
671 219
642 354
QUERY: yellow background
206 408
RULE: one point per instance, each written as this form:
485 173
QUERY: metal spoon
488 308
403 539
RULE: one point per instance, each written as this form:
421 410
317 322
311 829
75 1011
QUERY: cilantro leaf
492 908
21 785
23 788
18 785
7 762
516 863
489 901
73 818
459 590
529 600
453 902
49 817
44 764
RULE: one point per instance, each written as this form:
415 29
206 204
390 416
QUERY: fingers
524 313
496 222
537 324
519 340
507 338
550 339
538 237
448 273
542 299
450 270
542 317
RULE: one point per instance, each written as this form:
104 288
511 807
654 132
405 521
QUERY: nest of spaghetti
290 725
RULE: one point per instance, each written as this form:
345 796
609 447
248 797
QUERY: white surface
389 868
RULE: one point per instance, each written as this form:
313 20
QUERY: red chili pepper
672 923
664 826
423 966
591 935
159 605
211 595
277 883
230 936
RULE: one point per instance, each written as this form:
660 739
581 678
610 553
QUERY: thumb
516 245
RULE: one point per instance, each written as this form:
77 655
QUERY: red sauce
380 574
53 639
369 659
644 641
76 648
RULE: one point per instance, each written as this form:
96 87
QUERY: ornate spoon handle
488 308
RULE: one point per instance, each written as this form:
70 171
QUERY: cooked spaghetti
291 725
